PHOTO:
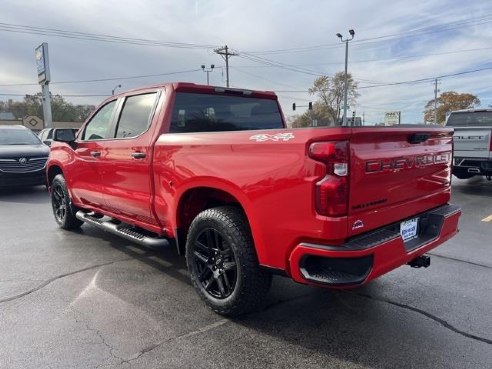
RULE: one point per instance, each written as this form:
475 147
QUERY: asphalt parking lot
93 300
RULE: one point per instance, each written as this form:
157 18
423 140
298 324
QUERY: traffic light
310 106
293 106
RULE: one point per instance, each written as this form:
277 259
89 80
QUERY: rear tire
63 210
222 262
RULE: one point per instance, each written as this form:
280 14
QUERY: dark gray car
22 157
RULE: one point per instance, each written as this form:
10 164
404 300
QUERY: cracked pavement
89 299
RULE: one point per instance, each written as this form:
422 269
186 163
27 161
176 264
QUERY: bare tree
327 110
330 92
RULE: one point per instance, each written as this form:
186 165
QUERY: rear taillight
490 148
331 193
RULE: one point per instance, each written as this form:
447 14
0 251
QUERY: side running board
124 230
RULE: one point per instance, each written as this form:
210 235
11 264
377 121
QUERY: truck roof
194 87
471 110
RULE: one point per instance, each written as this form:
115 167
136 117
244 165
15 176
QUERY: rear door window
136 115
211 113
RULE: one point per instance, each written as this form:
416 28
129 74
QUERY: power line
68 95
19 28
260 77
294 68
430 29
280 65
415 81
268 63
403 57
410 33
422 80
104 79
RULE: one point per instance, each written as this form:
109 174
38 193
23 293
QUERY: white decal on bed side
276 137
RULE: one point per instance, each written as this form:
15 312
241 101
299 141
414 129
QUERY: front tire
63 210
222 262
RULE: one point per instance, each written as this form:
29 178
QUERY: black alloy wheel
214 263
63 210
223 264
59 202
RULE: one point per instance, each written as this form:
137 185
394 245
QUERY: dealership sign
392 117
42 63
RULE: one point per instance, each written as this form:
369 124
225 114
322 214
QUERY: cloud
395 41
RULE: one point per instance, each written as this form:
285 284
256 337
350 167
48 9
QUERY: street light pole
345 92
208 71
115 87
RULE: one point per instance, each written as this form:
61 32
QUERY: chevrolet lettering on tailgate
373 166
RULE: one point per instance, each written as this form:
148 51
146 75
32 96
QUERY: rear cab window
470 118
198 112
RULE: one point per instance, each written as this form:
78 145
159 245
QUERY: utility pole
226 54
435 101
339 35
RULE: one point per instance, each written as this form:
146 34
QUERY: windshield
469 119
18 137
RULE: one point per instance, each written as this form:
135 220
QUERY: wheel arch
53 171
195 200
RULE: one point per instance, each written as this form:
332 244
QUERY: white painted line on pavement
487 219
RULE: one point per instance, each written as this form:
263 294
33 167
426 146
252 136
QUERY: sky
399 48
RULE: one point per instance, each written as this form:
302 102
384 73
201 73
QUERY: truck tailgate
472 142
396 173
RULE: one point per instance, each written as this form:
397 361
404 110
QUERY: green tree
446 102
61 110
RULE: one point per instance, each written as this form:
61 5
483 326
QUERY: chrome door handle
96 154
138 155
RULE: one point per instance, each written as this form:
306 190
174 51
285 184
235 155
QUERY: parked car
472 142
22 157
46 135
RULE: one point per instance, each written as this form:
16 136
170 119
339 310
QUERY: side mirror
47 142
66 135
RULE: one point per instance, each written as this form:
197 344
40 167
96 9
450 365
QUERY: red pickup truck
216 173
